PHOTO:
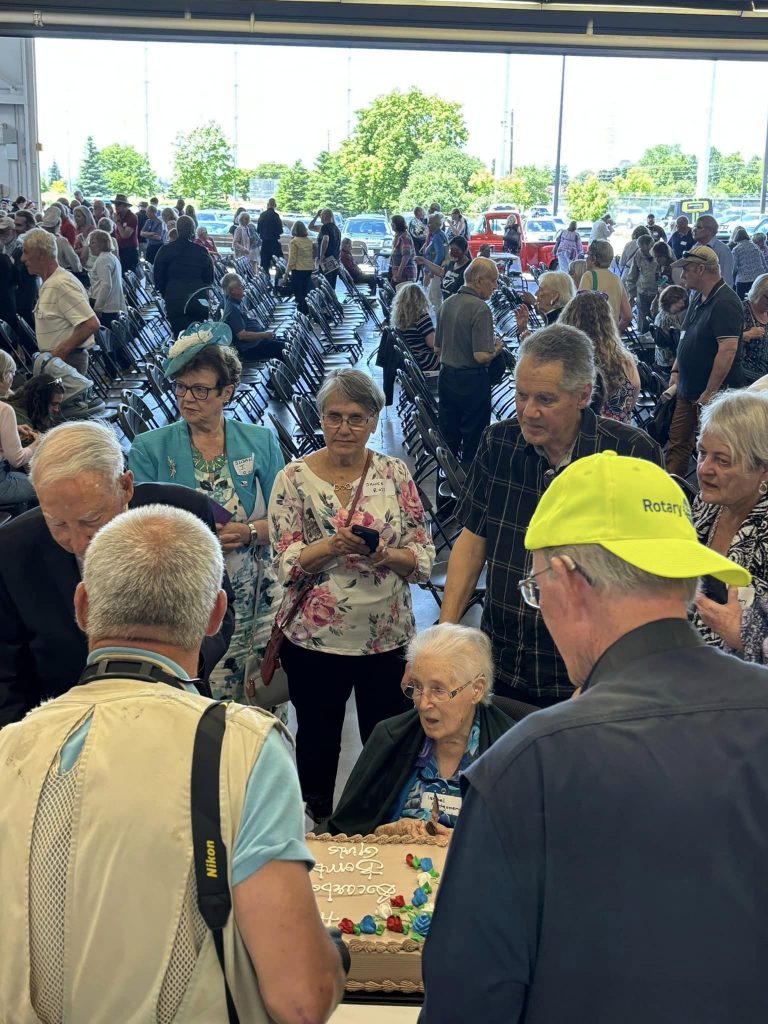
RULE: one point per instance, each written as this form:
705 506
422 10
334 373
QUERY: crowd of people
614 611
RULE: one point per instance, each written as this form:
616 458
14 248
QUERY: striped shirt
415 338
502 491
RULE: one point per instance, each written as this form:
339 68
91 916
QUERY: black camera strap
210 854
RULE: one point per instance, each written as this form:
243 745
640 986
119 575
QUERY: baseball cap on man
701 256
633 509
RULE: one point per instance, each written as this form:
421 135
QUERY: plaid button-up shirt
507 478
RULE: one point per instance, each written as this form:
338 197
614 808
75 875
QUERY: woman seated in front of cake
406 780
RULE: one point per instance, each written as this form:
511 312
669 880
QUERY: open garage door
695 28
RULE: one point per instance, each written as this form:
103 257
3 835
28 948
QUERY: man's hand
705 397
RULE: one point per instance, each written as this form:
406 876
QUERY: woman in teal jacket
235 465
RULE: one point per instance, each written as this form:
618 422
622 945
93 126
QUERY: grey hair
559 282
708 222
601 252
353 386
152 573
466 649
479 268
759 238
42 242
7 364
102 238
74 448
740 420
610 575
228 280
759 287
560 343
435 219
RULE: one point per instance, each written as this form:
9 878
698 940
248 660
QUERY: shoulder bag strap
359 491
594 280
210 854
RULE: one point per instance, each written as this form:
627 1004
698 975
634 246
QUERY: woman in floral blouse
355 621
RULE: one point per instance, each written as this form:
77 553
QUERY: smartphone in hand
371 537
714 589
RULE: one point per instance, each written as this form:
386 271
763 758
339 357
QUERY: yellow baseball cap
633 509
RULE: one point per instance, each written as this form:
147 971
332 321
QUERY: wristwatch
254 534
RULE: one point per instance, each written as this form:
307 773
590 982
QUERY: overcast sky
614 109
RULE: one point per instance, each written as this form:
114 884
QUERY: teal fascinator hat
192 341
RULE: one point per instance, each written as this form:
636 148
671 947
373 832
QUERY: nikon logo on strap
211 868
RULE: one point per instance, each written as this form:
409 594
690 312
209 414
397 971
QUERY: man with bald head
466 343
81 485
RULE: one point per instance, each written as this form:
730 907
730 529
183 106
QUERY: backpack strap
594 280
210 854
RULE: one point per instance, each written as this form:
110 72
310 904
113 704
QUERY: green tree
203 165
634 182
59 186
587 200
91 179
54 172
292 191
672 170
442 175
389 137
732 175
241 182
329 183
127 171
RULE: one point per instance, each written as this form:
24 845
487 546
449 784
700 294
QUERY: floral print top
353 607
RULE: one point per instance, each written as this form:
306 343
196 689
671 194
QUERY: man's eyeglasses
529 588
198 391
437 694
354 422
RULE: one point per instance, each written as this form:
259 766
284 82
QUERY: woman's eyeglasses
438 694
198 391
354 422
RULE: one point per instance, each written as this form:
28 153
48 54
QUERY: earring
763 488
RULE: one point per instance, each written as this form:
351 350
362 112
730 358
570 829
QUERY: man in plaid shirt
515 463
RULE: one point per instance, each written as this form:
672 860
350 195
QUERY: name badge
374 488
243 467
448 804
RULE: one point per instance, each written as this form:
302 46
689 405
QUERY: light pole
556 197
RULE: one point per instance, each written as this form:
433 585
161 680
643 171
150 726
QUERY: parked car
630 216
534 249
371 228
690 208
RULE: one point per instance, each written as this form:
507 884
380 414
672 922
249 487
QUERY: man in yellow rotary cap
617 841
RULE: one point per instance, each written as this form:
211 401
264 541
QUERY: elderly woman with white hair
106 289
731 517
406 780
350 535
247 242
754 355
16 489
599 278
555 291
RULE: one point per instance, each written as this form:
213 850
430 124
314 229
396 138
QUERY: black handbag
658 425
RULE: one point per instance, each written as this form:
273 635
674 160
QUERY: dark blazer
42 650
385 763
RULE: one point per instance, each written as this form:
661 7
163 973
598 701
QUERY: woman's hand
26 434
344 542
233 535
753 333
723 619
521 317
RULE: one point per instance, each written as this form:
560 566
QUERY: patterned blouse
749 548
620 404
402 261
747 262
754 354
352 607
415 799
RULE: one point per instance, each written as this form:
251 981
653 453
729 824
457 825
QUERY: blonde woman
592 314
410 316
301 263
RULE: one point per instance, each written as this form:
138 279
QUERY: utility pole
349 92
556 197
511 141
702 178
764 189
235 91
502 165
146 101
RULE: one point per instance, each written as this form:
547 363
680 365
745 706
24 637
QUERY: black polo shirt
507 478
608 864
720 315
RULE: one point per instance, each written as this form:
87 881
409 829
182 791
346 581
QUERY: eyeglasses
438 694
529 588
354 422
199 391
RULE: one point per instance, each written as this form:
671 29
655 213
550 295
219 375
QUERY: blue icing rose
426 863
368 925
419 898
420 925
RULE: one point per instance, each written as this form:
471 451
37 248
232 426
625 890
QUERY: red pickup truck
490 231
